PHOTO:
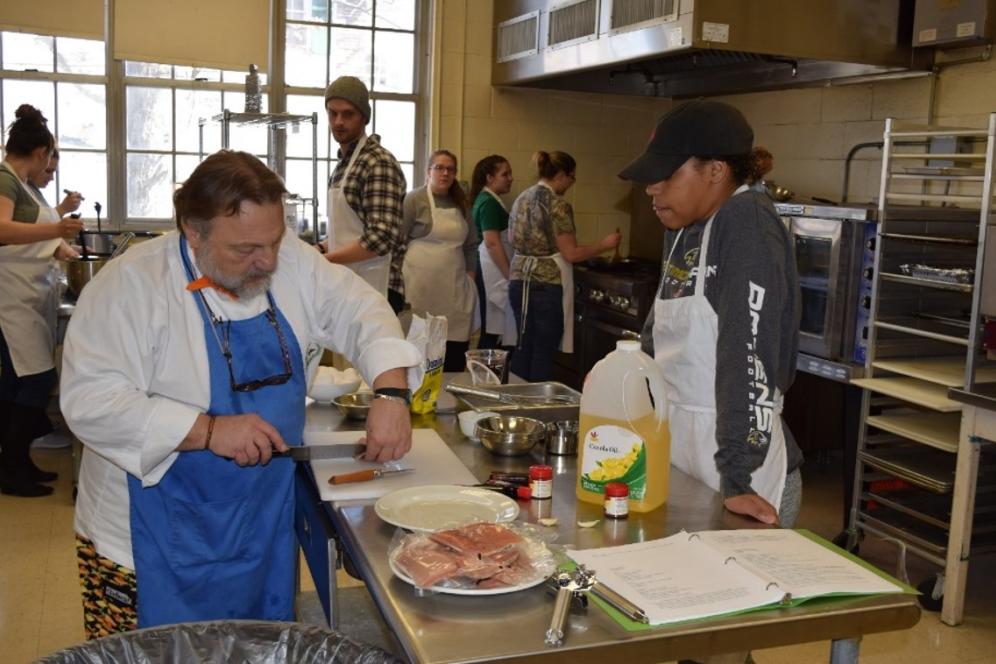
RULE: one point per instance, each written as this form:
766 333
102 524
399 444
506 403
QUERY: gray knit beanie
352 90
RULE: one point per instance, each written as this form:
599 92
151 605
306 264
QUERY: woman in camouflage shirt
541 225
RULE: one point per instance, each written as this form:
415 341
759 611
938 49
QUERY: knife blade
366 475
313 452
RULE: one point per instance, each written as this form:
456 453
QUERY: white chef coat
135 368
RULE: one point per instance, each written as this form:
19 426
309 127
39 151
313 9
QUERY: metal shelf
938 430
919 332
931 198
926 283
932 239
916 325
275 160
921 538
922 466
265 119
913 390
948 371
945 156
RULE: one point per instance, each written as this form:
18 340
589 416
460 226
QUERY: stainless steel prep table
447 628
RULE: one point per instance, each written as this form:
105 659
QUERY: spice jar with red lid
541 481
617 500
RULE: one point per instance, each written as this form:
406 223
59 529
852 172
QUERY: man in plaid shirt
366 189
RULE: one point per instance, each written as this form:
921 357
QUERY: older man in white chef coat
185 368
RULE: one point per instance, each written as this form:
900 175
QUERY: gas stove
626 290
611 302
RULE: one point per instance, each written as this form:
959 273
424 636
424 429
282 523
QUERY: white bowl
468 421
330 383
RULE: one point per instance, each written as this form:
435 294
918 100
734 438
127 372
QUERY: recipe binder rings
690 576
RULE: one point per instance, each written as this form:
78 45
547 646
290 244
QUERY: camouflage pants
109 593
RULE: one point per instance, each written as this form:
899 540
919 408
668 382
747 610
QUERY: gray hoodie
753 286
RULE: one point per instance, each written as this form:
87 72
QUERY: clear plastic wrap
947 275
475 559
244 641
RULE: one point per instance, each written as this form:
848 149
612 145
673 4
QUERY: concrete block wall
809 130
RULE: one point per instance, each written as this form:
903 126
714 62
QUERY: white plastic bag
429 336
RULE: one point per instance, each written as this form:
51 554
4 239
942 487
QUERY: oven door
599 336
823 269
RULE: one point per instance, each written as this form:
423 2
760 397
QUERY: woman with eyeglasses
541 225
441 255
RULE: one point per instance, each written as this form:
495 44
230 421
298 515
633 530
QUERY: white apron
686 332
435 273
500 319
27 313
567 299
347 227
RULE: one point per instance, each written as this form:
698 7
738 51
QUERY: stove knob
596 295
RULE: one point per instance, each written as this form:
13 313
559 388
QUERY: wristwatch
396 394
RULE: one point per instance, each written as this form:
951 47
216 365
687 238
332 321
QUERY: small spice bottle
541 481
617 500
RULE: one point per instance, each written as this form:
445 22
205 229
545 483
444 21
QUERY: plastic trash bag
242 641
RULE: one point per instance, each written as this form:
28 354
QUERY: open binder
689 576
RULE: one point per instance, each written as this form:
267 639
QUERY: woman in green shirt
491 179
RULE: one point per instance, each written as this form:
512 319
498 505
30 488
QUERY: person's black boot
19 476
20 486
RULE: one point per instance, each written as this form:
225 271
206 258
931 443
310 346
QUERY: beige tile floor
40 608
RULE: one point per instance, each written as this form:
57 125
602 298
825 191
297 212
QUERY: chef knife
366 475
314 452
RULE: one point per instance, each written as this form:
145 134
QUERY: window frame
116 84
54 78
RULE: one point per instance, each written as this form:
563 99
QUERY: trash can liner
241 641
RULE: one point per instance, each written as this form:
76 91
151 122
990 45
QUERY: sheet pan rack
924 339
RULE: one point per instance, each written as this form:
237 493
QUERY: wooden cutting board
430 456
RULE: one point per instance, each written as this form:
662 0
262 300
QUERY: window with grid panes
163 107
374 40
63 77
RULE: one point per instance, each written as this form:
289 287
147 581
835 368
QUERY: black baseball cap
700 128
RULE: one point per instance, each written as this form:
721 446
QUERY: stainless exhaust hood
691 48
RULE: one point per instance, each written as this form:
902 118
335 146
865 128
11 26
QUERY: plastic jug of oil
624 436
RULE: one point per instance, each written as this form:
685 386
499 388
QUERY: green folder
633 626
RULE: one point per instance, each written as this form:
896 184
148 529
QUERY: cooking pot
79 271
100 244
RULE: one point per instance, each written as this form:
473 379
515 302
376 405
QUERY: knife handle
358 476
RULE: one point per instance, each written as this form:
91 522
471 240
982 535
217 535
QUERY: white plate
467 591
435 507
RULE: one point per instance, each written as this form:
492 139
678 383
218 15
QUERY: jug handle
652 374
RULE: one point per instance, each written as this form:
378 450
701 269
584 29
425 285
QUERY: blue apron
214 540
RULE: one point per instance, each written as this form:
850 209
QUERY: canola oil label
424 398
614 454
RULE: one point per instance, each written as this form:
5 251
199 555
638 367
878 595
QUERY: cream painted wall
809 130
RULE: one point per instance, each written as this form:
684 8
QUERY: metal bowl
354 406
508 435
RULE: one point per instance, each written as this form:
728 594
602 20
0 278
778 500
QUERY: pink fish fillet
427 564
